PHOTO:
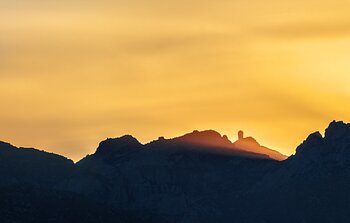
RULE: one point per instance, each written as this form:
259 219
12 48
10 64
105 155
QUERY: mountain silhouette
335 145
310 186
251 145
28 165
119 146
198 177
29 182
243 145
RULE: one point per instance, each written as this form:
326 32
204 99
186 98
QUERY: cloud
307 30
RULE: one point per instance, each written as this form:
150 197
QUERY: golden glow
75 72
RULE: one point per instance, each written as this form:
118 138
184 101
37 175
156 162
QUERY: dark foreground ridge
199 177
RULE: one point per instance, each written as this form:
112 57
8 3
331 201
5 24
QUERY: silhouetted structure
240 135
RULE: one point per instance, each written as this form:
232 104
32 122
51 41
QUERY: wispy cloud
307 30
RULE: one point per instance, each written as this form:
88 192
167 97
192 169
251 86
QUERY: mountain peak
212 138
334 146
337 130
118 146
204 133
312 143
205 138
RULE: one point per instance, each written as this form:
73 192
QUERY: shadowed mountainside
198 177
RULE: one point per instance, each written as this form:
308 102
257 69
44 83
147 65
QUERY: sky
74 72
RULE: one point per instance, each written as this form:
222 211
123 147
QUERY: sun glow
75 72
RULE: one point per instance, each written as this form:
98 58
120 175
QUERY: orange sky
73 73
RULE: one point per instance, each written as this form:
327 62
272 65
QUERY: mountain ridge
208 139
180 180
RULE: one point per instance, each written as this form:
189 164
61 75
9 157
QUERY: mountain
198 177
31 166
243 145
183 179
29 190
250 144
311 186
335 145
